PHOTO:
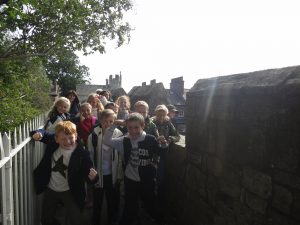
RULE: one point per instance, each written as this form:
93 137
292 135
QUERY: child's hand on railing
37 136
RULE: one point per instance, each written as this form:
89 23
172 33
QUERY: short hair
103 92
67 127
106 113
108 104
141 103
85 104
135 117
161 108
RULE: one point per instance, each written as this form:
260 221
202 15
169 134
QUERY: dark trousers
161 183
133 192
52 200
112 195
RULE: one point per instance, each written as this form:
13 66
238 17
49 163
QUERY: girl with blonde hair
58 112
96 104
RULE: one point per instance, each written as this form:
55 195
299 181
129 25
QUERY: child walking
108 164
62 173
137 148
58 112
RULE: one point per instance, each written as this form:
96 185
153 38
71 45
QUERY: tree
66 68
42 36
40 28
24 92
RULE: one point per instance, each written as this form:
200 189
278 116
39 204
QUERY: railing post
8 215
18 203
16 181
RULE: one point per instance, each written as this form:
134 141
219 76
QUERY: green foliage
66 68
24 92
38 40
39 28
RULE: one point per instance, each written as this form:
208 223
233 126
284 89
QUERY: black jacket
150 145
78 170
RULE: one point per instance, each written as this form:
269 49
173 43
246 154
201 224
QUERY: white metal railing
18 157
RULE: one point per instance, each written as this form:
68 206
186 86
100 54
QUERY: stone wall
243 149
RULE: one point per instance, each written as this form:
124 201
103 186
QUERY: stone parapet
241 160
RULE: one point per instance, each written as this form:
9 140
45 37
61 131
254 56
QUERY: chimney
120 83
152 82
177 86
106 82
144 84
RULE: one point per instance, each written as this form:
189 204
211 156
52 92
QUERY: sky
199 39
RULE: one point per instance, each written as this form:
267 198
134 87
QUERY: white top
132 169
51 126
106 160
59 174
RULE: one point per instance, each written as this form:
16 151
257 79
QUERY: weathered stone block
296 206
225 210
196 180
230 189
197 137
176 197
244 215
195 158
257 182
197 211
246 127
275 218
287 157
212 190
282 199
214 166
287 179
257 204
219 220
176 162
232 174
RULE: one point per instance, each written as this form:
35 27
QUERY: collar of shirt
134 142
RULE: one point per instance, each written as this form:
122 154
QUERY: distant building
113 84
155 94
177 97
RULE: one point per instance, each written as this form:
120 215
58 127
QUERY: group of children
100 145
